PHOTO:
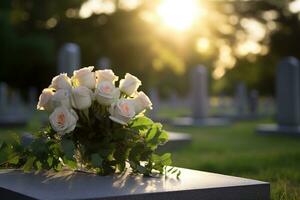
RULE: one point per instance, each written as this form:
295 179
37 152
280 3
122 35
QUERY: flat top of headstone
175 136
79 185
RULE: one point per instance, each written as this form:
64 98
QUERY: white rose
61 98
84 77
61 81
122 111
63 120
81 97
106 93
45 100
141 102
106 75
130 84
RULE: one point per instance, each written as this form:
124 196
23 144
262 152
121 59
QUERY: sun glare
178 14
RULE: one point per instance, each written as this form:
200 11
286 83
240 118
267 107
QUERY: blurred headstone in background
103 63
154 97
200 100
268 106
3 98
288 92
253 103
174 99
288 99
222 107
241 100
15 102
33 97
16 111
69 58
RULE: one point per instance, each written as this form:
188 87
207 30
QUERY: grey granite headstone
15 113
199 88
288 99
241 100
33 96
288 92
192 185
103 63
154 97
69 58
253 102
200 102
3 98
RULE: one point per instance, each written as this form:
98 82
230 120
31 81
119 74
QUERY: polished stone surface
70 185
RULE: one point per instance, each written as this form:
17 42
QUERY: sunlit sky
182 15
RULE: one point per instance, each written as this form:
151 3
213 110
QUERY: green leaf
163 137
14 160
38 165
154 134
70 163
141 123
5 153
39 146
50 161
136 151
58 167
178 174
155 158
68 148
151 133
29 164
166 159
96 160
121 166
170 169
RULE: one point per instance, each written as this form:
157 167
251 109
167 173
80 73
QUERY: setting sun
177 14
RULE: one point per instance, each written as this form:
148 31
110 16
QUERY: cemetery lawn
237 150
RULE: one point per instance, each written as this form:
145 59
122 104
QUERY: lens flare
179 14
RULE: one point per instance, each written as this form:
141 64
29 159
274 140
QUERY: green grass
237 150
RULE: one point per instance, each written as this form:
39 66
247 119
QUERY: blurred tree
28 46
236 40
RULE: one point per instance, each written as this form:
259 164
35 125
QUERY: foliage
102 146
27 44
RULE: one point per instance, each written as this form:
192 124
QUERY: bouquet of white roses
94 126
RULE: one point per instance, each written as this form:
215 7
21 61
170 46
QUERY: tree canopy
236 40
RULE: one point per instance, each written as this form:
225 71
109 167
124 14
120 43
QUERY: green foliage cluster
99 145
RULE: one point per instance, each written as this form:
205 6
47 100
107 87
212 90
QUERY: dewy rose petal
106 93
122 111
142 102
84 77
63 120
61 81
106 75
62 97
45 100
129 84
81 97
